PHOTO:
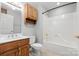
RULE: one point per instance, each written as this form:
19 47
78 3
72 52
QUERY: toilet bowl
36 46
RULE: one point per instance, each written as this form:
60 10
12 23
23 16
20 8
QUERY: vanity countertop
4 40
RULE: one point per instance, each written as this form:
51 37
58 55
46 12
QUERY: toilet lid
36 45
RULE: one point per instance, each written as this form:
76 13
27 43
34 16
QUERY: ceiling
47 5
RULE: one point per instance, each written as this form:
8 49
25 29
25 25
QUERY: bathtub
60 49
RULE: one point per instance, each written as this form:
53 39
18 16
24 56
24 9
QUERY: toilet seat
36 46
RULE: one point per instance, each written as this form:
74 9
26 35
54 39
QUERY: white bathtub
60 49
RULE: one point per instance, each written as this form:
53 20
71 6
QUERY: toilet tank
32 39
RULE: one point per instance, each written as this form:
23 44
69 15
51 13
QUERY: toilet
36 46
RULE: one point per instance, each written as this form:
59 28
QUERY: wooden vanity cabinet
30 13
15 48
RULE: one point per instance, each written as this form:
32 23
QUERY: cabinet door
24 50
29 11
13 52
34 13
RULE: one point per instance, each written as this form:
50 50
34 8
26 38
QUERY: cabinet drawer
24 42
8 46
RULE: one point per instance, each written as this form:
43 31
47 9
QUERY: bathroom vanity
12 43
16 47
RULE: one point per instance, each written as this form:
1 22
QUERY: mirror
10 19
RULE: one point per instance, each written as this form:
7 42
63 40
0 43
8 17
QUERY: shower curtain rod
58 7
